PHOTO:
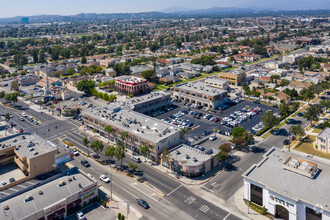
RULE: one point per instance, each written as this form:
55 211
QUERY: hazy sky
10 8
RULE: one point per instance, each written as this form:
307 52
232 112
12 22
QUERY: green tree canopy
86 86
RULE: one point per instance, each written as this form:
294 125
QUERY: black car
286 142
228 167
85 163
300 114
143 203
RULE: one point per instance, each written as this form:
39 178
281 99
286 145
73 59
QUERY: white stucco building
289 187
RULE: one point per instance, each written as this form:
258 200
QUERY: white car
80 215
75 152
24 114
212 138
105 179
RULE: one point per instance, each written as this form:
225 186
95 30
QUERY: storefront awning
56 214
73 204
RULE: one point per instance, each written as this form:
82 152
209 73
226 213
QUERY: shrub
122 217
119 215
130 175
85 203
104 204
316 146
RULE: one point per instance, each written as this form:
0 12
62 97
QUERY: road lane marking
227 216
208 189
174 190
190 200
204 208
132 185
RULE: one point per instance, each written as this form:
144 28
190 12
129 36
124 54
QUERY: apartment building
323 141
289 187
132 85
201 94
235 78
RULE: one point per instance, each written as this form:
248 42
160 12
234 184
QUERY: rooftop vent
187 156
35 153
61 183
73 177
28 198
40 192
6 207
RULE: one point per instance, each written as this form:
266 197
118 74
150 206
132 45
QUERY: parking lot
199 124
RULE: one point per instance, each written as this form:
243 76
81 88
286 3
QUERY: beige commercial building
31 153
235 78
218 83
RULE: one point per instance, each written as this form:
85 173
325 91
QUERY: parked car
85 163
286 142
300 114
143 203
252 148
105 179
136 159
201 148
81 216
24 114
228 166
75 152
212 138
22 119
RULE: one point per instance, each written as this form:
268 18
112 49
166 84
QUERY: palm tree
183 131
86 144
7 118
109 130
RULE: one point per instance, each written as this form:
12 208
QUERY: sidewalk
243 208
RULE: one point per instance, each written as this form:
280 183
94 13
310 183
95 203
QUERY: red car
21 130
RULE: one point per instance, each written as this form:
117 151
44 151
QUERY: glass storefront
311 214
256 194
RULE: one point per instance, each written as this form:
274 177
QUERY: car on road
21 130
276 131
81 216
5 85
228 166
22 119
85 163
10 115
105 179
212 138
3 183
143 203
286 142
252 148
24 114
136 159
290 121
75 152
11 180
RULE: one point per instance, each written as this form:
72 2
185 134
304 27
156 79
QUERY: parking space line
21 186
16 190
5 193
207 189
227 216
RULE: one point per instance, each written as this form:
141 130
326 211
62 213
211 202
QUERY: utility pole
111 185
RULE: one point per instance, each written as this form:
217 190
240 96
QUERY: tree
222 156
269 119
307 94
166 156
40 103
120 153
83 60
14 86
124 136
109 130
259 49
97 146
145 151
312 113
86 144
110 152
225 147
183 131
284 109
7 119
238 131
42 56
238 141
148 74
86 86
35 53
297 130
248 137
2 94
132 166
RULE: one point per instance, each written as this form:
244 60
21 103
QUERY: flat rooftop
27 144
200 87
131 79
294 183
151 129
215 80
51 194
191 156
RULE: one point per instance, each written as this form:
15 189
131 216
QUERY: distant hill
213 10
176 10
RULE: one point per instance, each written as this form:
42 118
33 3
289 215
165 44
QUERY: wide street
178 200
